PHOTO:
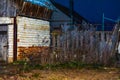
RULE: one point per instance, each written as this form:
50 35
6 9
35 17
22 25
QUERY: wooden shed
23 24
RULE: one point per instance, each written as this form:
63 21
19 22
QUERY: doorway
3 42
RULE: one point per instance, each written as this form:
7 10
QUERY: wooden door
3 43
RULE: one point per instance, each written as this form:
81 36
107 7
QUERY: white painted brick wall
10 41
6 20
33 32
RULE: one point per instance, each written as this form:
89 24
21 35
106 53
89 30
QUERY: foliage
69 65
22 65
26 66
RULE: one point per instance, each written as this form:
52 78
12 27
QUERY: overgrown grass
22 65
25 66
36 75
77 65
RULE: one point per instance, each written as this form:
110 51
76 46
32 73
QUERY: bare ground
66 74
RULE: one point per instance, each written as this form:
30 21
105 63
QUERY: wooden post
58 41
53 48
65 47
15 40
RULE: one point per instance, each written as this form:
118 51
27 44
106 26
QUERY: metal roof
44 3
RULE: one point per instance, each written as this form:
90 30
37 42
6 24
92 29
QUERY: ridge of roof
66 10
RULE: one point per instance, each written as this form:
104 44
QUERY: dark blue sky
92 10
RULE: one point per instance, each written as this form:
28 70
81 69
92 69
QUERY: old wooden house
24 24
62 16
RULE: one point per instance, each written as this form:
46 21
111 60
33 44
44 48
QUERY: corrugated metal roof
44 3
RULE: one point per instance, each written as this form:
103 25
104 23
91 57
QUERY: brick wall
33 32
9 29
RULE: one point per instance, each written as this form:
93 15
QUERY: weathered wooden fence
88 46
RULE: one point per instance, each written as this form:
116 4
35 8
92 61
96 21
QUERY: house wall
59 18
9 24
10 43
32 33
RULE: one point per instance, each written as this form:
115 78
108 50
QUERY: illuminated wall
33 32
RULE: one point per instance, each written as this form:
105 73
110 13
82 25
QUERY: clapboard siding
33 32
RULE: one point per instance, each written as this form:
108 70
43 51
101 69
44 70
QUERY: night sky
92 10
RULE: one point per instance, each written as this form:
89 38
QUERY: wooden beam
22 9
31 10
6 24
37 8
49 14
45 13
21 2
34 10
15 40
41 12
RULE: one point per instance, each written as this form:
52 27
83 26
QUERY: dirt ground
66 74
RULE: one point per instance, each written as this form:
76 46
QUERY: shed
23 24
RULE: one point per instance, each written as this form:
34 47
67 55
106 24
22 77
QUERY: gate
3 42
